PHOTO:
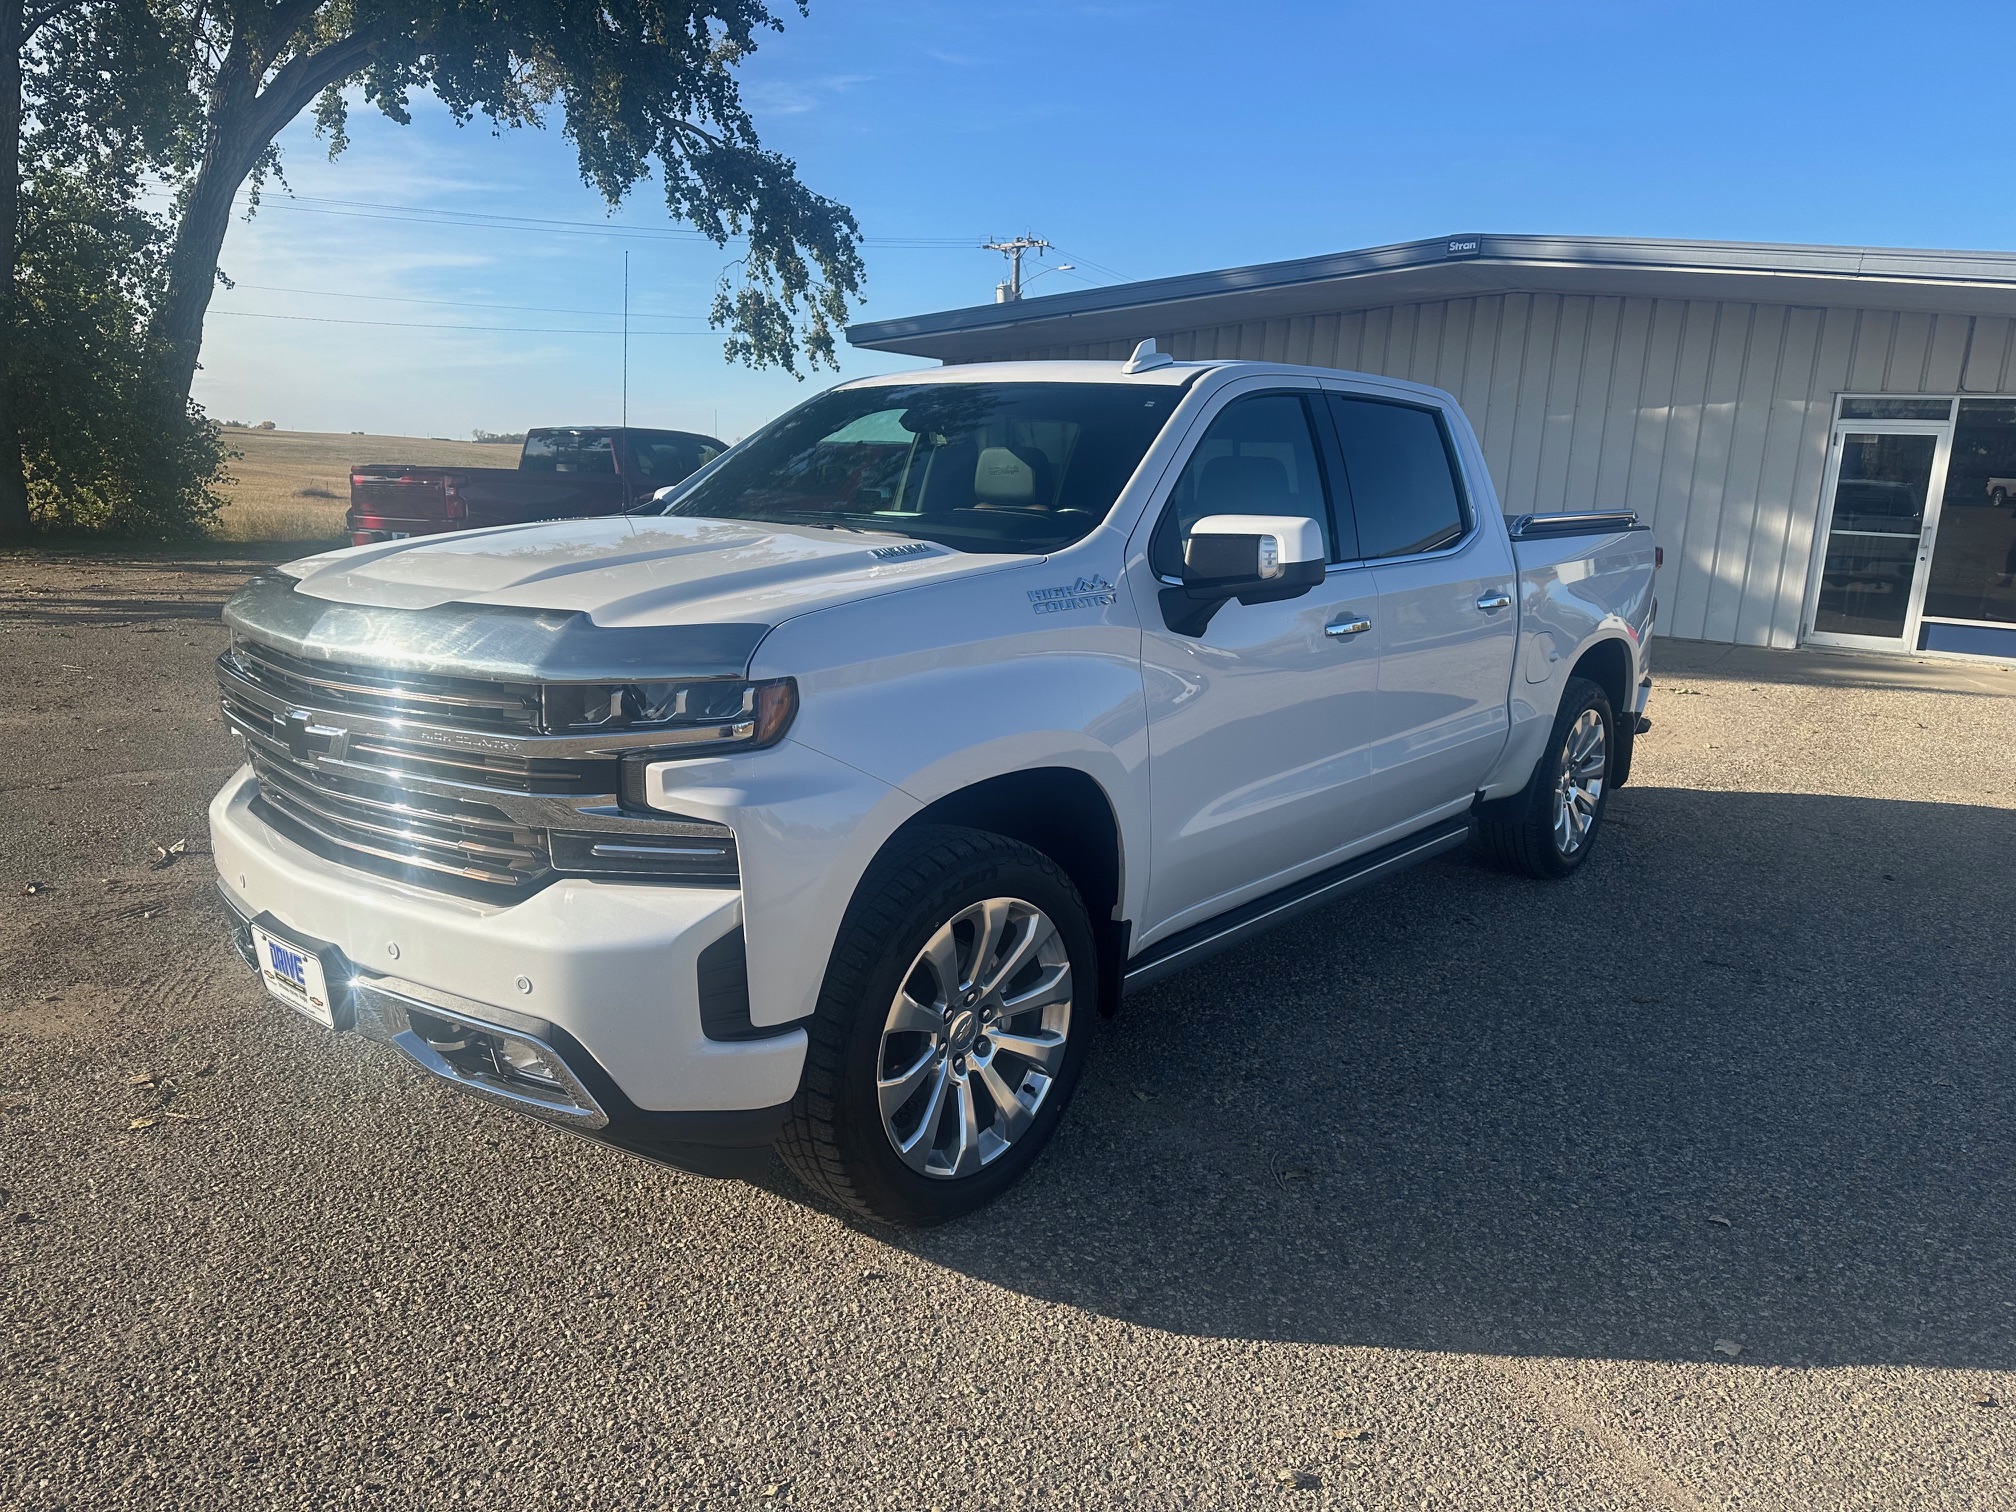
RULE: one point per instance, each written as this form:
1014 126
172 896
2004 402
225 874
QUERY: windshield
984 467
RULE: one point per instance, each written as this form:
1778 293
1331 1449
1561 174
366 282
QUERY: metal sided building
1823 438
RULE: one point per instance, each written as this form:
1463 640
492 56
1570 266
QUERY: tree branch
287 18
34 21
290 91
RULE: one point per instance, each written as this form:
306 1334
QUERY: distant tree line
102 102
498 438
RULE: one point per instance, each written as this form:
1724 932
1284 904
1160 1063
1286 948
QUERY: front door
1256 728
1885 480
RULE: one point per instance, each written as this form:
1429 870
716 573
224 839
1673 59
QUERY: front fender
946 685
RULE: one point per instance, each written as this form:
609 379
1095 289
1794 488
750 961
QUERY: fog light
487 1054
516 1057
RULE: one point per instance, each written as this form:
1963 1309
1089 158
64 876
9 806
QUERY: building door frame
1928 529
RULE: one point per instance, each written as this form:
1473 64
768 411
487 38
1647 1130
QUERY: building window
1973 573
1885 407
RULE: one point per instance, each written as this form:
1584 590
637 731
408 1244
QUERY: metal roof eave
1890 278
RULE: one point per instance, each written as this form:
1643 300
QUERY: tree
197 91
87 435
103 446
13 488
642 85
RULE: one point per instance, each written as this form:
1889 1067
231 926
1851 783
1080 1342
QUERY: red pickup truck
564 472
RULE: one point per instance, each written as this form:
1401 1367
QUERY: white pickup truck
823 805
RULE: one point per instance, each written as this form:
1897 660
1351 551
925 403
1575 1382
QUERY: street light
1060 268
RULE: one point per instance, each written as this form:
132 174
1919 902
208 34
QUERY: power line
418 325
443 215
497 217
1086 262
458 304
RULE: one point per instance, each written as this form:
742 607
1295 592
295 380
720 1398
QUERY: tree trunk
13 484
230 149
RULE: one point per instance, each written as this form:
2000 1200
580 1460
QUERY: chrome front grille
414 754
381 827
466 704
389 776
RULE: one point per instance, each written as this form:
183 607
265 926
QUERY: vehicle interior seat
1012 477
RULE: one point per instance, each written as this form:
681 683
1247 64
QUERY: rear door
1446 586
1256 767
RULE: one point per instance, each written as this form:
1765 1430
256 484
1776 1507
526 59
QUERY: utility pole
626 338
1013 248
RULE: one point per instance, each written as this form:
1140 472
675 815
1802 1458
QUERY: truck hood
630 572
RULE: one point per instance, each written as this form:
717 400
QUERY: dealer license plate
294 975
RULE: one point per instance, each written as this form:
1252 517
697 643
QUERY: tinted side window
1258 457
667 459
1402 475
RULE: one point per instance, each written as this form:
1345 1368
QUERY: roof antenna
1146 358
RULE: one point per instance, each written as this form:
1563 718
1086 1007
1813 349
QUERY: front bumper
434 1030
605 974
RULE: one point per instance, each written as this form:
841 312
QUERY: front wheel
1548 829
950 1031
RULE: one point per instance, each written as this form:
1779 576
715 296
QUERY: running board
1189 946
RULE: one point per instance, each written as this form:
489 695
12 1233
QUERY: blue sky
1143 138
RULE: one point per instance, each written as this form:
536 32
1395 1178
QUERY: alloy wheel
974 1038
1578 786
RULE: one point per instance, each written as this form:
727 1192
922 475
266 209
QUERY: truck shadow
1745 1079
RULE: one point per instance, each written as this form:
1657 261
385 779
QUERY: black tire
1999 497
1520 832
836 1142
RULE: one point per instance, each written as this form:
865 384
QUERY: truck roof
1168 375
665 430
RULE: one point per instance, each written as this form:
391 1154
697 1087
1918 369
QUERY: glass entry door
1885 480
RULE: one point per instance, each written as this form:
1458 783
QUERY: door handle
1491 603
1337 629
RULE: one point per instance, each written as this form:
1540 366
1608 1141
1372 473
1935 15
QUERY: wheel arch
1608 663
1065 813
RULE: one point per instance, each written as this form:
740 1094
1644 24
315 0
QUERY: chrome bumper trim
384 1014
383 1008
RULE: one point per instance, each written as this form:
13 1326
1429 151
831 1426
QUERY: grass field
295 485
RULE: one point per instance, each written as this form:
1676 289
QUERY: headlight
705 713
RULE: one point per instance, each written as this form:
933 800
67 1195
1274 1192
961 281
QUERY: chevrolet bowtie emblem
306 739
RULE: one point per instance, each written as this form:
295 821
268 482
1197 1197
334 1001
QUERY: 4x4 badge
1092 592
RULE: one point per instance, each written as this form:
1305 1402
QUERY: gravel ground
1461 1194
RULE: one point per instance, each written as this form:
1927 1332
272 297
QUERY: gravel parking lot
1690 1184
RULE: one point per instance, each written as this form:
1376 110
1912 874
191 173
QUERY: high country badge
1092 592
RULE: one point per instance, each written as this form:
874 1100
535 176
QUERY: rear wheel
1548 829
950 1032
